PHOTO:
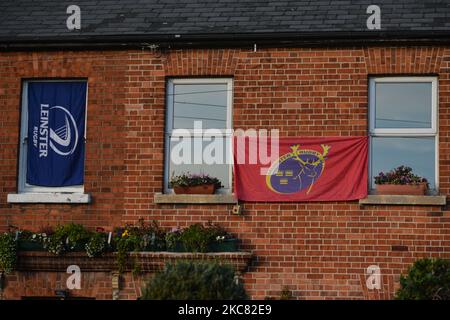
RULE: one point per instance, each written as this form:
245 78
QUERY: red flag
307 169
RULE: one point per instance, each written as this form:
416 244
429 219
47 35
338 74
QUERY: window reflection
417 153
403 105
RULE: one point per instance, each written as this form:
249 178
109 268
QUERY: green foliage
96 245
427 279
69 237
188 280
8 254
173 238
195 238
75 235
143 237
131 238
55 244
124 244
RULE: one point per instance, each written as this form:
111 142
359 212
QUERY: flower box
28 245
200 189
187 183
402 189
156 246
226 245
400 181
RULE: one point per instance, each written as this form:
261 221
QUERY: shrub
427 279
8 254
188 280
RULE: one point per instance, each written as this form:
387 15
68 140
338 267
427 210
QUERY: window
52 139
197 124
403 126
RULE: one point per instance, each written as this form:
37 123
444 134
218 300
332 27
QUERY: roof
39 21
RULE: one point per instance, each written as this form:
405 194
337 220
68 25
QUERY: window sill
404 200
160 198
49 198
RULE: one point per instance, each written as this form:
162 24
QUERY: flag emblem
297 170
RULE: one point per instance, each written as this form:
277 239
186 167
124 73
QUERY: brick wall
318 250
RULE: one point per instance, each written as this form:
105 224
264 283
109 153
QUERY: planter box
156 246
227 245
402 189
147 261
27 245
201 189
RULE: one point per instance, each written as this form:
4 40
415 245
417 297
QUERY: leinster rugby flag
305 169
56 120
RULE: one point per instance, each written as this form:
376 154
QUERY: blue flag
56 121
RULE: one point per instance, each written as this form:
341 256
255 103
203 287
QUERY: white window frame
405 132
23 187
168 134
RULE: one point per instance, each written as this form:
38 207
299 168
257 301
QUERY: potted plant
400 181
187 183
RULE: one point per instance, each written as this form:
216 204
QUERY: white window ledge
160 198
49 198
404 200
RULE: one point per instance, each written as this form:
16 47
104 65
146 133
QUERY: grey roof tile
21 18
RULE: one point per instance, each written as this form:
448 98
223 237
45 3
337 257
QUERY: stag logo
297 170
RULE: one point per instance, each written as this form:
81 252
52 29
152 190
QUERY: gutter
226 40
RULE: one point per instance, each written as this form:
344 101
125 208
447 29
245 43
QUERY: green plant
173 238
196 237
8 252
96 245
66 238
190 180
427 279
127 239
399 175
153 237
188 280
76 236
55 244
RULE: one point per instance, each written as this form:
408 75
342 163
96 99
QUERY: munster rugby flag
56 120
307 169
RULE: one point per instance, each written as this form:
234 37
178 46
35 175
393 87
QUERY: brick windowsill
147 261
404 200
161 198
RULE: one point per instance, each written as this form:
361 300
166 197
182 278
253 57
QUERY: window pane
417 153
219 148
200 102
403 105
